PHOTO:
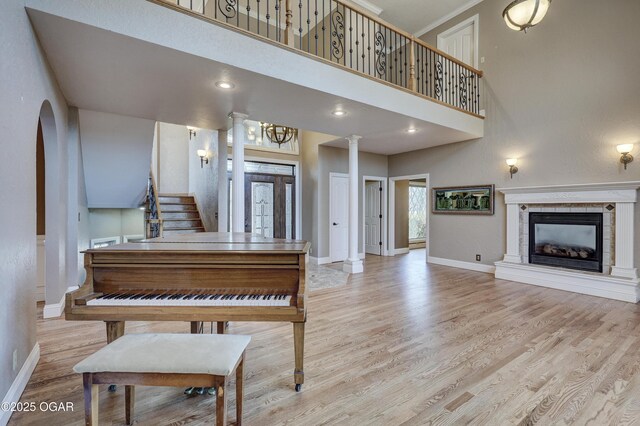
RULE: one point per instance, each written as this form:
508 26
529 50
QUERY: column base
512 258
353 266
631 273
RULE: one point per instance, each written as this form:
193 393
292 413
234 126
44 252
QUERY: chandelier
278 133
522 14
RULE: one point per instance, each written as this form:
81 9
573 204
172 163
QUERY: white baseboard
403 250
325 260
568 280
54 310
479 267
18 385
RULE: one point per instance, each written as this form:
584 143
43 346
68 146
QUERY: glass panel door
262 196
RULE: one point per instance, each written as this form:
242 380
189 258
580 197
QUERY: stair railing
154 222
352 38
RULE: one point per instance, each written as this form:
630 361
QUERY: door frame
383 207
332 175
392 211
475 20
298 176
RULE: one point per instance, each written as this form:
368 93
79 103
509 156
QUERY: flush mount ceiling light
225 85
339 113
412 130
523 14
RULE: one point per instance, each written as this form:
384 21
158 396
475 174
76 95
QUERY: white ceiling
416 16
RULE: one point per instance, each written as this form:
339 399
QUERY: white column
223 188
353 264
237 172
624 267
513 234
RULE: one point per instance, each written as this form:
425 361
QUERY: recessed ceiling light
225 85
339 113
412 130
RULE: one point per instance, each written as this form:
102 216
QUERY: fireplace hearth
566 240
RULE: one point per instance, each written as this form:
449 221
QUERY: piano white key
162 299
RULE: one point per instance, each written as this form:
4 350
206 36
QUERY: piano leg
298 342
222 327
115 330
196 327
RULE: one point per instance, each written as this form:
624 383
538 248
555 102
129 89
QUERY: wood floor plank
403 343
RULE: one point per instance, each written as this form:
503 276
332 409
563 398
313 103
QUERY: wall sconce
204 157
625 149
192 131
511 162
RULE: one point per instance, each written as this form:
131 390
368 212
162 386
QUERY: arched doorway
49 195
41 228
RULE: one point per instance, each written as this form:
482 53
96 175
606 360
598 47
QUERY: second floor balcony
292 62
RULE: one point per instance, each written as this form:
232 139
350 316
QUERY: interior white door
460 42
339 218
372 218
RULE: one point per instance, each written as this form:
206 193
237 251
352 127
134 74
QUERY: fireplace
566 240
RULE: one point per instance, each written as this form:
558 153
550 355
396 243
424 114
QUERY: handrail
351 37
449 57
155 223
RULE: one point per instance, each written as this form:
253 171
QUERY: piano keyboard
190 299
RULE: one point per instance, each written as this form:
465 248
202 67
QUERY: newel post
412 66
288 30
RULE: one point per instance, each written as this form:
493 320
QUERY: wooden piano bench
183 360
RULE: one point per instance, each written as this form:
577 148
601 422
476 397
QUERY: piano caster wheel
298 387
201 391
112 388
190 391
211 391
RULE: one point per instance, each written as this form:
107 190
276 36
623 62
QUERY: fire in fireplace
566 240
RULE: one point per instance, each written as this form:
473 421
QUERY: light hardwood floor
403 343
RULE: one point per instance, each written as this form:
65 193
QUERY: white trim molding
478 267
435 24
403 250
369 6
320 260
623 283
475 21
20 383
54 310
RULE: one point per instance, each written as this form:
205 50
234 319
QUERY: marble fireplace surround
619 279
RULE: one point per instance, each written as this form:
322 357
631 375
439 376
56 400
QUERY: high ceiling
415 16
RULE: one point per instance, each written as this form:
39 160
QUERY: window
417 212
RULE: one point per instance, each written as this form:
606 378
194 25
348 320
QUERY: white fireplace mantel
623 283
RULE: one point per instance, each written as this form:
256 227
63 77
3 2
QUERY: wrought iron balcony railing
350 37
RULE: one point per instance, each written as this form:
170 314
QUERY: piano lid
211 242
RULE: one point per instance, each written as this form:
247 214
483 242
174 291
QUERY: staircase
180 214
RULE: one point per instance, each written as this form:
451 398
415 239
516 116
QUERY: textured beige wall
309 143
560 98
402 214
336 160
172 143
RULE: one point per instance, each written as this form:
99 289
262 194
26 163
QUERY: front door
269 205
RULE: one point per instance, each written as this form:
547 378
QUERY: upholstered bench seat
166 360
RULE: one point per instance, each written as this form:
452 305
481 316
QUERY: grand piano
201 277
